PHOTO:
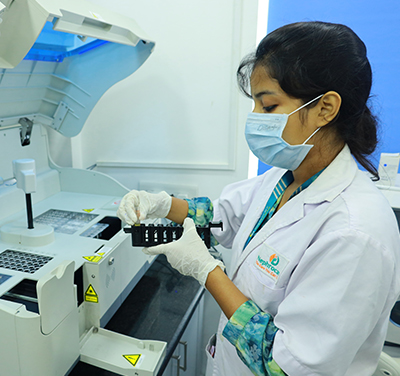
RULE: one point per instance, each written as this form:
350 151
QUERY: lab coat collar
334 180
330 184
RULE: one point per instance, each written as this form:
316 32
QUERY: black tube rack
150 235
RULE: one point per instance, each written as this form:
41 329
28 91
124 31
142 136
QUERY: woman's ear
329 106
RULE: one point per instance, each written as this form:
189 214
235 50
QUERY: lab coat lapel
253 214
336 177
290 213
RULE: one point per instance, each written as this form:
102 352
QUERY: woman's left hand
188 255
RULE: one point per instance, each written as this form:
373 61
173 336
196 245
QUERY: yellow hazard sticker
96 16
88 210
91 295
133 359
93 258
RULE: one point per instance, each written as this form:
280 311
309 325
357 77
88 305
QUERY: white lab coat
339 249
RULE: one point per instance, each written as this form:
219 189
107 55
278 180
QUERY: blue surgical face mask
264 137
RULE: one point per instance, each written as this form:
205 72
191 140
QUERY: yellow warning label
133 359
91 295
93 258
88 210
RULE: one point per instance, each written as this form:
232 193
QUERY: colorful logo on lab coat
270 263
268 267
274 259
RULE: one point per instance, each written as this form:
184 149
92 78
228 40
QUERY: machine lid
58 57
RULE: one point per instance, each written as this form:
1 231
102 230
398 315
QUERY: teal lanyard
275 199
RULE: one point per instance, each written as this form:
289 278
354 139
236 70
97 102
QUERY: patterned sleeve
252 332
201 210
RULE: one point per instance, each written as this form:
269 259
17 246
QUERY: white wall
179 120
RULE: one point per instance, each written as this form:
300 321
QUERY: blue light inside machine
52 45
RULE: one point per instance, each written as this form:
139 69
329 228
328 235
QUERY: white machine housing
393 334
389 361
57 58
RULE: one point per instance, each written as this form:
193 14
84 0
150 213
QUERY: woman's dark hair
311 58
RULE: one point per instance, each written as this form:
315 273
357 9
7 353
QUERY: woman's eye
269 108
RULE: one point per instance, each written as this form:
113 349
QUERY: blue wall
377 23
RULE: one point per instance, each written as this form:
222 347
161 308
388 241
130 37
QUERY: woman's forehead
261 81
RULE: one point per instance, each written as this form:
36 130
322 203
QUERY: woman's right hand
136 206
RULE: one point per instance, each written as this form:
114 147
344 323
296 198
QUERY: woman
315 245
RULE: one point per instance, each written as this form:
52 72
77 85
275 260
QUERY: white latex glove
188 255
136 206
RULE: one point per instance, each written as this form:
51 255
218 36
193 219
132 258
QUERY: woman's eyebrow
264 92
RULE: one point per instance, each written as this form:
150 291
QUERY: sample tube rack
150 235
